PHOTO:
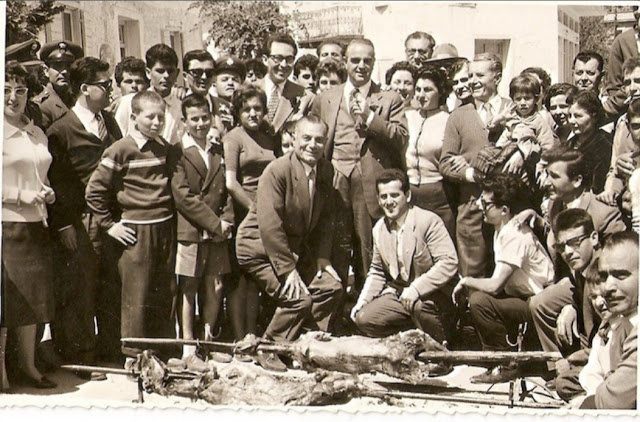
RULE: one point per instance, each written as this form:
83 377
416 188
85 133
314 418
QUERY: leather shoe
270 362
47 357
500 373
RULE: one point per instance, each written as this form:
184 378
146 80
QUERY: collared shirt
140 139
268 87
397 226
348 91
493 104
189 142
633 319
87 118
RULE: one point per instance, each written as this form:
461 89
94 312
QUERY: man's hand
359 107
458 292
179 92
409 297
354 311
562 366
324 265
69 238
123 234
227 229
607 197
513 164
294 286
49 195
567 325
525 217
458 162
625 165
32 197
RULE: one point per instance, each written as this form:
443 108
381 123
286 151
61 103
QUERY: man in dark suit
412 274
284 243
286 100
77 141
57 98
367 133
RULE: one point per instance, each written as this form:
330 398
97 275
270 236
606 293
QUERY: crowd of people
274 196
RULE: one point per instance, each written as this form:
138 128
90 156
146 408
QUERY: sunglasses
368 61
573 242
20 92
279 59
485 204
105 85
197 73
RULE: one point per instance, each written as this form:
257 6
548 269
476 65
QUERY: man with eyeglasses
419 48
56 99
367 134
77 141
286 100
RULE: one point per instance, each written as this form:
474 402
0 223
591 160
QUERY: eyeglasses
19 92
368 61
420 51
105 85
279 59
573 243
485 204
460 81
197 73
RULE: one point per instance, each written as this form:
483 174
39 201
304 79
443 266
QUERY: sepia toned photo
330 206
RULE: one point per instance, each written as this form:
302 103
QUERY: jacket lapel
215 165
334 101
409 239
192 155
285 109
387 245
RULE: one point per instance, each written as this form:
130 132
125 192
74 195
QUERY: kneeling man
284 243
413 271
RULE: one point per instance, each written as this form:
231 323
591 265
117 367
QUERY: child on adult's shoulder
287 136
205 222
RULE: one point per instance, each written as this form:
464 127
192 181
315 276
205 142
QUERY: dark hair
243 94
200 55
419 35
630 64
589 102
545 79
585 56
16 72
391 174
573 218
142 97
194 100
258 67
399 66
526 84
281 38
131 65
330 41
289 126
619 238
329 66
559 89
439 79
85 70
508 191
360 41
574 159
306 61
161 53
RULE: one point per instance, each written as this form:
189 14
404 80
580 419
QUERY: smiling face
402 83
427 94
132 82
162 77
199 77
328 81
331 51
393 200
484 81
631 83
280 61
586 76
197 122
360 60
309 141
596 297
576 247
15 98
150 120
251 114
525 103
559 109
581 121
559 184
619 270
460 82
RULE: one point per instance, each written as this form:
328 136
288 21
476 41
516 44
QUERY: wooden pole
215 345
484 358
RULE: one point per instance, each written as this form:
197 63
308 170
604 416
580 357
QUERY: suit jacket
276 228
200 195
76 154
427 249
294 102
385 140
623 47
52 107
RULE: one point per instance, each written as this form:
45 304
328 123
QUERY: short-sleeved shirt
519 246
248 156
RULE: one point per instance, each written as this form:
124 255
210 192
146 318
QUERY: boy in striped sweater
130 196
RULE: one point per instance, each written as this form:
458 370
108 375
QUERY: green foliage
25 18
242 27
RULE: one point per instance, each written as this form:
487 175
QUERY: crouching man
413 271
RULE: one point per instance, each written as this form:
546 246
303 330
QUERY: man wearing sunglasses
77 141
56 99
286 100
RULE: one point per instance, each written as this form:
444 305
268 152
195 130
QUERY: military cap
230 64
24 53
61 51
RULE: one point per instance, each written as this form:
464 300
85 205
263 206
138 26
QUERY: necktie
312 191
273 103
355 98
102 128
488 115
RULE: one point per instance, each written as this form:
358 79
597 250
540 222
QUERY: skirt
27 281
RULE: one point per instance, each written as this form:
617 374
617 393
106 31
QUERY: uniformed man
56 98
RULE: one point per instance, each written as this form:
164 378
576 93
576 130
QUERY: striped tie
102 128
273 103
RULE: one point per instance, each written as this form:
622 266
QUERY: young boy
287 136
558 106
330 73
130 196
205 216
304 71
